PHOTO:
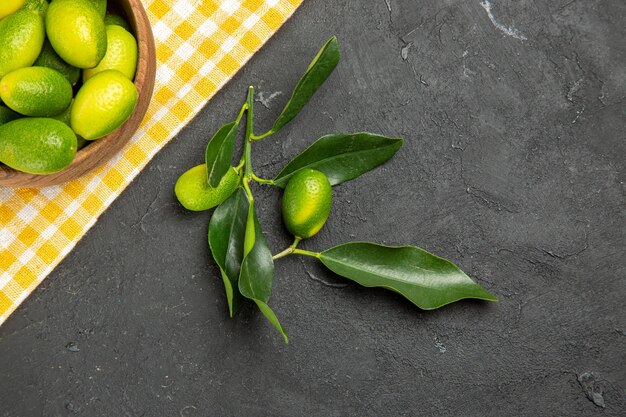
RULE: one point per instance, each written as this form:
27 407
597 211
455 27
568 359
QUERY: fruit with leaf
307 201
237 243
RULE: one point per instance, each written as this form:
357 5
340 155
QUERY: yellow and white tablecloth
200 45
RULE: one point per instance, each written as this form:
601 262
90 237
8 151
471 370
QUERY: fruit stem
306 253
291 249
262 180
264 135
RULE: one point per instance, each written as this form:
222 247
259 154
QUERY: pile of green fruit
66 77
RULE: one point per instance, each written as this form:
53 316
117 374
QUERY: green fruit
100 6
21 39
113 19
39 6
306 202
37 145
103 104
65 115
7 115
121 54
8 7
49 58
66 118
194 192
80 142
76 31
36 91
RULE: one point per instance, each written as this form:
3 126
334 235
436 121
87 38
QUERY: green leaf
257 270
318 71
342 157
219 152
426 280
226 239
271 317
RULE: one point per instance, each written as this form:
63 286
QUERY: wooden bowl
99 151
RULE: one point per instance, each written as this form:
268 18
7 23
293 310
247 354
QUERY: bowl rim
102 150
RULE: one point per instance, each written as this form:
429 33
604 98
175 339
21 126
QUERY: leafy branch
235 237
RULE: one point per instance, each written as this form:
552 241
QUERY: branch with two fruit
235 237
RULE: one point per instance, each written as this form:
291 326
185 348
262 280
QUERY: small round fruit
121 54
49 58
37 145
113 19
100 6
8 7
80 143
7 115
306 202
65 115
39 6
103 104
21 38
36 91
193 191
76 31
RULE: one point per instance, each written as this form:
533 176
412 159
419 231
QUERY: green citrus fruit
36 91
65 115
194 192
80 142
76 31
21 38
114 19
37 145
39 6
121 54
49 58
66 118
100 6
8 7
7 115
306 202
103 104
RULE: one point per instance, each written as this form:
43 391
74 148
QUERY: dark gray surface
513 167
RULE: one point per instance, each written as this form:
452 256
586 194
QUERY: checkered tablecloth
200 45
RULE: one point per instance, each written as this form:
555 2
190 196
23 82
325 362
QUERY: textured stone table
513 167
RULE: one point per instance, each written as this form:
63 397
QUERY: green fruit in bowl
65 116
49 58
76 31
121 54
39 6
36 91
7 115
114 19
103 104
37 145
8 7
100 6
21 39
